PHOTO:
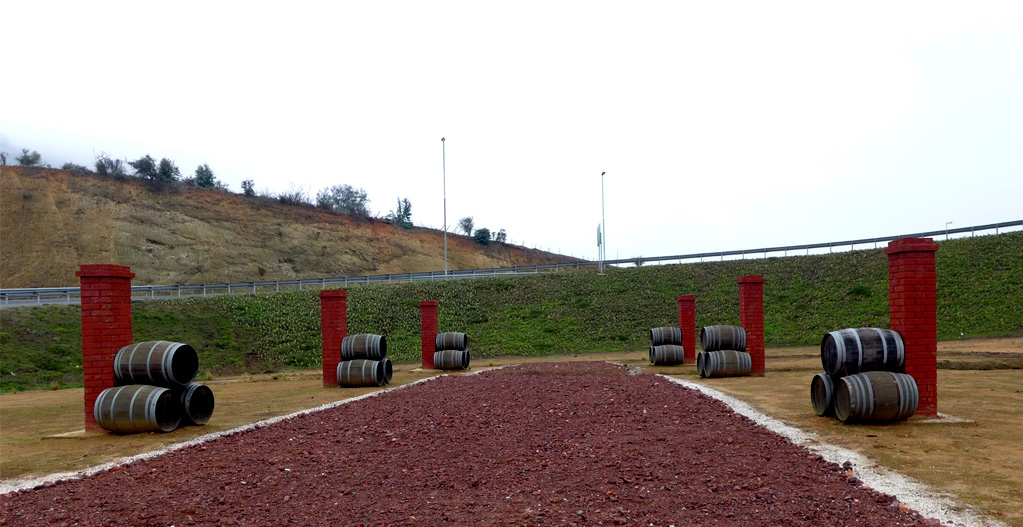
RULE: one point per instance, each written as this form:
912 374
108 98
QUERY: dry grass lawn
978 463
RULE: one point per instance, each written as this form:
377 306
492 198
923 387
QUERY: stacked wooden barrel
452 351
364 361
155 391
724 352
862 379
666 346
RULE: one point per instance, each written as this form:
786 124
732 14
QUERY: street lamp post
444 169
947 223
603 227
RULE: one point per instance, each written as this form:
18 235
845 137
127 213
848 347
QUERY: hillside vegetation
52 221
979 295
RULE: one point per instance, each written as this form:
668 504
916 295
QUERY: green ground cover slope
980 294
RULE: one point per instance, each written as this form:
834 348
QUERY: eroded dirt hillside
52 221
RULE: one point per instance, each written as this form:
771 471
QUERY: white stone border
15 485
911 492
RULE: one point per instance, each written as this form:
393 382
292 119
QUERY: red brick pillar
687 322
428 310
751 317
333 328
912 304
106 327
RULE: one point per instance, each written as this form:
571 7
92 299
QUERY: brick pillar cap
903 245
751 279
105 271
333 293
682 298
429 303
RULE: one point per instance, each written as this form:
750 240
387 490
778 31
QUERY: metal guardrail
71 295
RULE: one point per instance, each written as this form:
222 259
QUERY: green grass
979 295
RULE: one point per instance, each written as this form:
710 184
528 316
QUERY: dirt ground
976 462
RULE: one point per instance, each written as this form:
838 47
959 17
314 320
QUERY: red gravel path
545 444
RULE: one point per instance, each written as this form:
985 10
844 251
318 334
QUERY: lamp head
602 173
442 139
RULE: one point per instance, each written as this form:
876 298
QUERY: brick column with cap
428 315
913 308
687 322
106 327
751 317
333 328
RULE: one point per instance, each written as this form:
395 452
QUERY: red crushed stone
541 444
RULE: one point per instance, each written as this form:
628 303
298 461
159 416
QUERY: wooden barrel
158 362
451 360
388 370
856 350
876 397
451 340
723 363
822 394
716 338
666 335
364 346
666 355
196 404
360 372
137 408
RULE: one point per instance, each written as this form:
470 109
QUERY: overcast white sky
721 125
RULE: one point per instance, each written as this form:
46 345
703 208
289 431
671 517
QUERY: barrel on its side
666 355
666 335
876 397
451 360
822 394
723 363
196 404
360 372
364 346
451 340
137 408
856 350
716 338
158 362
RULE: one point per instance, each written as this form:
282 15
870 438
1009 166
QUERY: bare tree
465 224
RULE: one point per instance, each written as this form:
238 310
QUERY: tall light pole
602 226
444 168
947 223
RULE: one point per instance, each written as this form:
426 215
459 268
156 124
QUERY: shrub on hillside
109 167
482 236
294 196
145 167
466 225
29 159
248 187
344 199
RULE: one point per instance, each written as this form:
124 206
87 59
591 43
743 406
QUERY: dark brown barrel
451 360
666 355
360 372
451 340
159 362
137 408
388 370
856 350
723 363
364 346
666 335
196 404
716 338
822 394
876 397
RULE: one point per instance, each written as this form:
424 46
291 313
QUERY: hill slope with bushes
979 295
52 221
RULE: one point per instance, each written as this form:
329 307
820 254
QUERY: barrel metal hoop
151 403
131 410
97 408
149 359
859 346
900 349
168 372
131 360
113 401
839 349
884 347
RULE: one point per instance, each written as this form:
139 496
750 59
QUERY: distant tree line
338 199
